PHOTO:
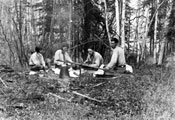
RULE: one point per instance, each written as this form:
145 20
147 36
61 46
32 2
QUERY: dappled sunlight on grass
139 96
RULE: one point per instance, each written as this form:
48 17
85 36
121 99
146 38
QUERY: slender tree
123 24
106 23
165 30
117 17
155 33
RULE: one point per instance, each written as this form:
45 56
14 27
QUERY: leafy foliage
171 29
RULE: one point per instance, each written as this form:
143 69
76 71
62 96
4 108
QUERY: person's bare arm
87 59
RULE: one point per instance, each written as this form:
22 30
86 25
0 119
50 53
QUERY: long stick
98 84
59 97
74 92
81 64
3 82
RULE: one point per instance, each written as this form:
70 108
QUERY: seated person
36 61
118 57
94 59
61 56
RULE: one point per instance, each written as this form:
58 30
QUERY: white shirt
118 58
96 59
59 56
37 59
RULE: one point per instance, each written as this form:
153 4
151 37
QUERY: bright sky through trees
134 3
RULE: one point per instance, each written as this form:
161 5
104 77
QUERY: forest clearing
146 94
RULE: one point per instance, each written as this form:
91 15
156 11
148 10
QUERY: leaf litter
121 95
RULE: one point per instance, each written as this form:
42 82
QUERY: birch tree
155 33
137 42
123 24
165 30
148 28
106 22
70 21
117 17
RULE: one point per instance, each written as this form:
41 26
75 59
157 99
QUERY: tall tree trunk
70 21
136 42
155 34
106 22
148 25
165 29
18 26
129 35
117 17
123 24
146 33
20 34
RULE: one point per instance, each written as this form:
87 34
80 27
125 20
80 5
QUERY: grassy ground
150 91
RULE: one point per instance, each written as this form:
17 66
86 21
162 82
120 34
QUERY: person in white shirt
94 59
118 56
36 61
61 56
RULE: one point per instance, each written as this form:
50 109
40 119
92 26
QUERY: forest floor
148 94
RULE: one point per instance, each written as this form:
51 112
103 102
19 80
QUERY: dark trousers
57 66
89 68
36 68
120 69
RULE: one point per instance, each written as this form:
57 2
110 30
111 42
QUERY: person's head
90 51
38 49
65 47
114 42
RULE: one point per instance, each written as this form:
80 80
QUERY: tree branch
137 17
5 37
155 13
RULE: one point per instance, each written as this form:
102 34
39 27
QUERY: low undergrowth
148 94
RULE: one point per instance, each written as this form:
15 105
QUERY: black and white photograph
87 59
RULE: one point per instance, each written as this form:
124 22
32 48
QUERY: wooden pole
81 64
85 96
3 82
